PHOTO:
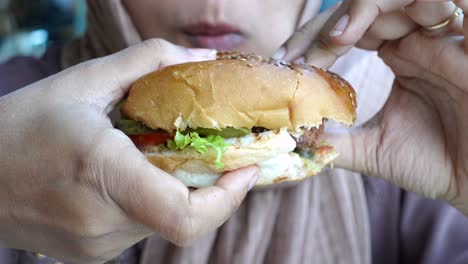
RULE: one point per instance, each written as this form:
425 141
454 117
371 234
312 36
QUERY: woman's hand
365 24
74 188
419 140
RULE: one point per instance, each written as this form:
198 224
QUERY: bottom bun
283 168
277 163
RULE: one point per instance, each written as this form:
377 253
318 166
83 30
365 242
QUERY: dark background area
28 27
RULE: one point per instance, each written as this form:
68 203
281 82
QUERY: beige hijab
321 220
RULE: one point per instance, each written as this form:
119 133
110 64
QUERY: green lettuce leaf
200 144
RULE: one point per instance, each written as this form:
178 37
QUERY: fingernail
205 53
340 26
279 55
253 182
301 60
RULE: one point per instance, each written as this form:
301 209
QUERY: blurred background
27 27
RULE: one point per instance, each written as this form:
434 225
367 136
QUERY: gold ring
458 11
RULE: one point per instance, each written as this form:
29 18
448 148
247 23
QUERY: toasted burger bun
242 92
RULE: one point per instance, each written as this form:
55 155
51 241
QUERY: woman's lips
222 42
221 37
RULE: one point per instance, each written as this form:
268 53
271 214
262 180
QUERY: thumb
357 147
104 81
163 203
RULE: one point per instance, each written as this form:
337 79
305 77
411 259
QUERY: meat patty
310 137
258 130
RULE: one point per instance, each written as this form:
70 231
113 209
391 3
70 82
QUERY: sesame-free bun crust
240 91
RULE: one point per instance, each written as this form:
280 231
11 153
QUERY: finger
369 43
391 26
417 53
323 52
428 14
296 46
354 22
387 27
159 200
463 4
363 13
104 81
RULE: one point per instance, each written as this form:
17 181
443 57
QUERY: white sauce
275 167
196 179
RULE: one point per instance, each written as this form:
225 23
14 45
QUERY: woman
323 220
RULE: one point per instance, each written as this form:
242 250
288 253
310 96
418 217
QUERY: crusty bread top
240 91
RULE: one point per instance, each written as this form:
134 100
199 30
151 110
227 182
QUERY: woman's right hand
74 188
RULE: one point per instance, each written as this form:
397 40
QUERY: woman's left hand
419 139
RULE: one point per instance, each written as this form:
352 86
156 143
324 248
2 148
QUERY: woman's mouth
222 37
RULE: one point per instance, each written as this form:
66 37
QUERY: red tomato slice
150 139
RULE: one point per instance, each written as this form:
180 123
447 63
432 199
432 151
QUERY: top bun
240 91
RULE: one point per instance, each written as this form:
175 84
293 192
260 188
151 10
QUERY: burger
198 120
